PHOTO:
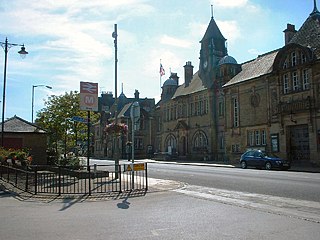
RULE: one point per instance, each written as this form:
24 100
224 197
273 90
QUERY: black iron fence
63 180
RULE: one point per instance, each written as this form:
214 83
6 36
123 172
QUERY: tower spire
211 11
315 9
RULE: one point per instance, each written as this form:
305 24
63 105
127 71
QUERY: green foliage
55 118
71 162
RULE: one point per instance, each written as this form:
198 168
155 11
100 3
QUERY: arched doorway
171 144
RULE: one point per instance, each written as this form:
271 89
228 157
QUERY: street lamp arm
34 86
6 46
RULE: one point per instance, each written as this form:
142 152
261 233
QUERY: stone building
190 117
104 145
273 103
225 108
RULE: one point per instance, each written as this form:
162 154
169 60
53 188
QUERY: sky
70 41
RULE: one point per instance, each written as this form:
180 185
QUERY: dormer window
293 59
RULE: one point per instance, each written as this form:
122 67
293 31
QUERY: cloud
230 3
176 42
197 30
230 30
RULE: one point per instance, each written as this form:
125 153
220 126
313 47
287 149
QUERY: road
208 203
296 185
293 194
288 184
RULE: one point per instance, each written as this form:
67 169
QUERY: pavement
294 168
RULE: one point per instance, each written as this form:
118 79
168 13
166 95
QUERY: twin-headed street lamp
32 105
6 46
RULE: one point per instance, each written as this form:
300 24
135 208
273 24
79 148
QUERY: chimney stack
188 73
136 94
289 33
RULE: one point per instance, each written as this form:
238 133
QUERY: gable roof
194 86
258 67
19 125
124 111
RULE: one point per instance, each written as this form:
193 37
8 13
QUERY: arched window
200 141
171 143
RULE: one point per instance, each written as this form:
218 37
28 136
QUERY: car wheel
243 165
268 166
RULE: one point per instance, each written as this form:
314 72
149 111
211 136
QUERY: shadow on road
69 202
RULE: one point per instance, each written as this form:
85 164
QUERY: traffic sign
79 119
136 167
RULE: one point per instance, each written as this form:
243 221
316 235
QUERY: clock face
205 64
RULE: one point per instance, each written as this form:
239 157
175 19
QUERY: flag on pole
162 72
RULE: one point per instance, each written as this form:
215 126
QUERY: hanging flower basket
119 128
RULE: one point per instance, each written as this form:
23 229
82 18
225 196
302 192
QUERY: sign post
88 102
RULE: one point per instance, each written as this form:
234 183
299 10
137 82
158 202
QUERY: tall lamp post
32 104
6 46
116 145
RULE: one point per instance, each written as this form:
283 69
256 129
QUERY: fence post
119 170
27 180
146 176
16 178
8 172
89 169
59 181
35 181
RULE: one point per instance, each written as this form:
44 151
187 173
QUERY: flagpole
161 72
160 76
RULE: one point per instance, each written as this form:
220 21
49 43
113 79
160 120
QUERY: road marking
307 210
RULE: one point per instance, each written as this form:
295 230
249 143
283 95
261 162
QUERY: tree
56 119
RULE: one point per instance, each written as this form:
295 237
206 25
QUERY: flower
16 155
118 128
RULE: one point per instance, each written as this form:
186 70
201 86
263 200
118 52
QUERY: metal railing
61 180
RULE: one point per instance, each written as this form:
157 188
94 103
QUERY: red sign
88 96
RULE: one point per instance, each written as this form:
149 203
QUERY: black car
261 159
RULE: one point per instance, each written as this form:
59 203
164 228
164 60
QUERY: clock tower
213 48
